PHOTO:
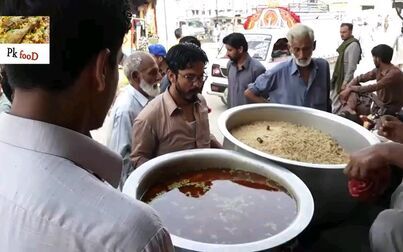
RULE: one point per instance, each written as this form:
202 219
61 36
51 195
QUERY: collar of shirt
138 96
245 64
61 142
170 103
294 67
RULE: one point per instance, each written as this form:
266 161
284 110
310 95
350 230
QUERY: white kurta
50 202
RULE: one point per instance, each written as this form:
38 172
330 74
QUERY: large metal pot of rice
326 182
230 221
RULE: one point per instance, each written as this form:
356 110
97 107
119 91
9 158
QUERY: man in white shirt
143 74
54 191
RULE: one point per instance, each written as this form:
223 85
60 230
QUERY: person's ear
240 50
289 48
171 76
102 69
314 45
135 76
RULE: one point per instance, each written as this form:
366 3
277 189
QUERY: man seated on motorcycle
388 86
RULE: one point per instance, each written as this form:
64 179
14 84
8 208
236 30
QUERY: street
325 45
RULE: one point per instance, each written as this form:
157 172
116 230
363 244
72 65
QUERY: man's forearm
137 161
251 97
371 75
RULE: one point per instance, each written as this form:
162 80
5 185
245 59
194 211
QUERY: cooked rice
291 141
32 30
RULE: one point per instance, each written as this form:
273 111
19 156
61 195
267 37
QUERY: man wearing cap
143 74
158 52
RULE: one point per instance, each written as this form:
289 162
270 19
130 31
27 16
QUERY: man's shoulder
395 71
355 45
152 108
281 67
132 213
152 113
124 101
134 223
202 99
98 206
256 63
320 62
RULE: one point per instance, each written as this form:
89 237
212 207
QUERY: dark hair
236 40
281 44
348 25
182 56
383 52
79 30
178 33
190 39
5 86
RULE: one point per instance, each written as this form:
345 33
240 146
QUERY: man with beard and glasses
301 80
242 68
177 119
143 74
388 86
187 39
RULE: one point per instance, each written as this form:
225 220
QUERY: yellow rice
39 34
291 141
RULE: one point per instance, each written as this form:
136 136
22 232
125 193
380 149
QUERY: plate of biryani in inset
24 29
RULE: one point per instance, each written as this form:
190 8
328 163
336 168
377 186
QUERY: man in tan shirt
177 119
388 86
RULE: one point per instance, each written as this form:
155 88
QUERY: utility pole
216 13
165 22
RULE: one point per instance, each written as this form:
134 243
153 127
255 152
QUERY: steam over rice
291 141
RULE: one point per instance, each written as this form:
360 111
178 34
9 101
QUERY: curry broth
222 206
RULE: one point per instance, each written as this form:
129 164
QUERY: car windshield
258 46
195 23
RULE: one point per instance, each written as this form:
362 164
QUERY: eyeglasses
194 78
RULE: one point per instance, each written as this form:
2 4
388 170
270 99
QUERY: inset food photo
24 29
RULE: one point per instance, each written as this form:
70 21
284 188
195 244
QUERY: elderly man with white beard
143 74
300 81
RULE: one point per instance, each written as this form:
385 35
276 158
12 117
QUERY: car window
195 24
258 46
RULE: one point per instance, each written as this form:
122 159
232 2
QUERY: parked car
260 47
193 27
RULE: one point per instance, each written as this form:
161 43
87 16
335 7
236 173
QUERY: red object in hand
361 189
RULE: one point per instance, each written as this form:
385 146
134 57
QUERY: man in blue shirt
242 68
301 81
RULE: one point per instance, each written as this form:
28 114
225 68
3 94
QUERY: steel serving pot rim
298 188
222 121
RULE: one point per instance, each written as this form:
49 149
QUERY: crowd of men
56 183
